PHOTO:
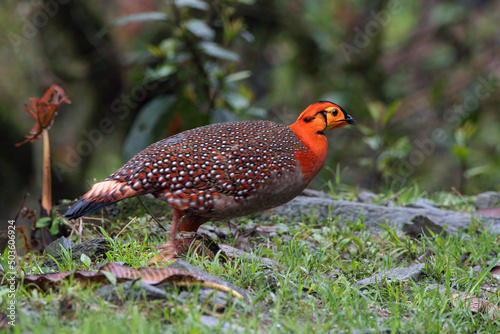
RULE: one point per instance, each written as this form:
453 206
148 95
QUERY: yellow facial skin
334 118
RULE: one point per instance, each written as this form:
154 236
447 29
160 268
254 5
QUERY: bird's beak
349 120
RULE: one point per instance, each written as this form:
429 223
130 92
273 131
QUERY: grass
312 290
401 196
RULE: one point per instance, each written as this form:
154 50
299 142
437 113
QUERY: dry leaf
495 270
43 111
151 276
480 267
476 304
122 273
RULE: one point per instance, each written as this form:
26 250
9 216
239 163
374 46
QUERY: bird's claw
167 253
199 243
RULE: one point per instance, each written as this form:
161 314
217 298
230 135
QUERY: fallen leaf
476 304
495 270
122 273
480 267
151 276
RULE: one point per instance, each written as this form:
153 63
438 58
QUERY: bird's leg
188 228
180 223
192 223
176 219
169 250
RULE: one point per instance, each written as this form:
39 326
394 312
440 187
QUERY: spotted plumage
193 169
224 170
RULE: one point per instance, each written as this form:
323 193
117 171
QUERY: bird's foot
188 243
167 253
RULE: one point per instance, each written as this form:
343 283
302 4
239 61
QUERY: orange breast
312 159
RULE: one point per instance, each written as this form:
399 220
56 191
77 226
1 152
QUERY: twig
72 226
71 234
459 194
94 218
80 231
154 218
215 286
21 207
130 222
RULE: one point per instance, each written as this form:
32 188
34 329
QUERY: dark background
421 78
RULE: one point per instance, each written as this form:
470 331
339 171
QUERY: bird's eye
335 112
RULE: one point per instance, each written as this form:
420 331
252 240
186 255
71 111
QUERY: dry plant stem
47 180
214 286
123 229
459 194
152 216
80 230
95 218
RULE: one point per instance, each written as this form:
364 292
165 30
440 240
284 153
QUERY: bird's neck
312 159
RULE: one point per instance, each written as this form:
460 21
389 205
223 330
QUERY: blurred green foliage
197 69
387 149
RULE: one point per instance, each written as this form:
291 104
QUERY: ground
319 279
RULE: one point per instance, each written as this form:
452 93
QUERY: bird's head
324 115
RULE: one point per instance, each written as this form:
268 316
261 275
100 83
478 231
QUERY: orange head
310 127
324 115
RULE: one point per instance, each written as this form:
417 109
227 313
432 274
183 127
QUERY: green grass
403 196
312 290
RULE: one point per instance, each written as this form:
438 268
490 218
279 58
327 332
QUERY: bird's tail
102 194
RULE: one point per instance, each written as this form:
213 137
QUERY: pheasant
222 171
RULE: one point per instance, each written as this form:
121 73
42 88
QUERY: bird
222 171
